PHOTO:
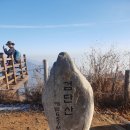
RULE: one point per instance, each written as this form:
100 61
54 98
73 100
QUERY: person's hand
4 48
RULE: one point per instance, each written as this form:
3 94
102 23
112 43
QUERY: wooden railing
11 73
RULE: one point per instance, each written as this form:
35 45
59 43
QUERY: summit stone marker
67 97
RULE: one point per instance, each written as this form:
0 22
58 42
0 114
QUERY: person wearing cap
11 50
9 53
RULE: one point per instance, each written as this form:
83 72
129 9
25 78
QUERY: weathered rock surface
68 97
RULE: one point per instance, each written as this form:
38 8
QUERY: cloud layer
45 26
91 24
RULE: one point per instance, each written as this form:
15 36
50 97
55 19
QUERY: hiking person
16 54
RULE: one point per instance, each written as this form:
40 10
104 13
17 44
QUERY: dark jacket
10 52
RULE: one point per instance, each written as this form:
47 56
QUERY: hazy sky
43 28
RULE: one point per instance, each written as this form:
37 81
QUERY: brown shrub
105 72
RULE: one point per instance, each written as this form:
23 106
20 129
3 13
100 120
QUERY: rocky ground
35 120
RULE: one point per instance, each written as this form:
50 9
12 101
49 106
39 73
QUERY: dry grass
105 72
34 92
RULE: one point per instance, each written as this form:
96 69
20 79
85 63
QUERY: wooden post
127 87
14 72
45 66
1 62
5 69
21 68
25 60
26 90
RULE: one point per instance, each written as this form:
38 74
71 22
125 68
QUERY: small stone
68 97
28 128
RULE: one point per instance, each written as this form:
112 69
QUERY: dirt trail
105 122
34 120
23 121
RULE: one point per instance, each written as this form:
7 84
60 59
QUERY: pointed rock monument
68 97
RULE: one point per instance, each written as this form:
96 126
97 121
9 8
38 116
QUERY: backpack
17 56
